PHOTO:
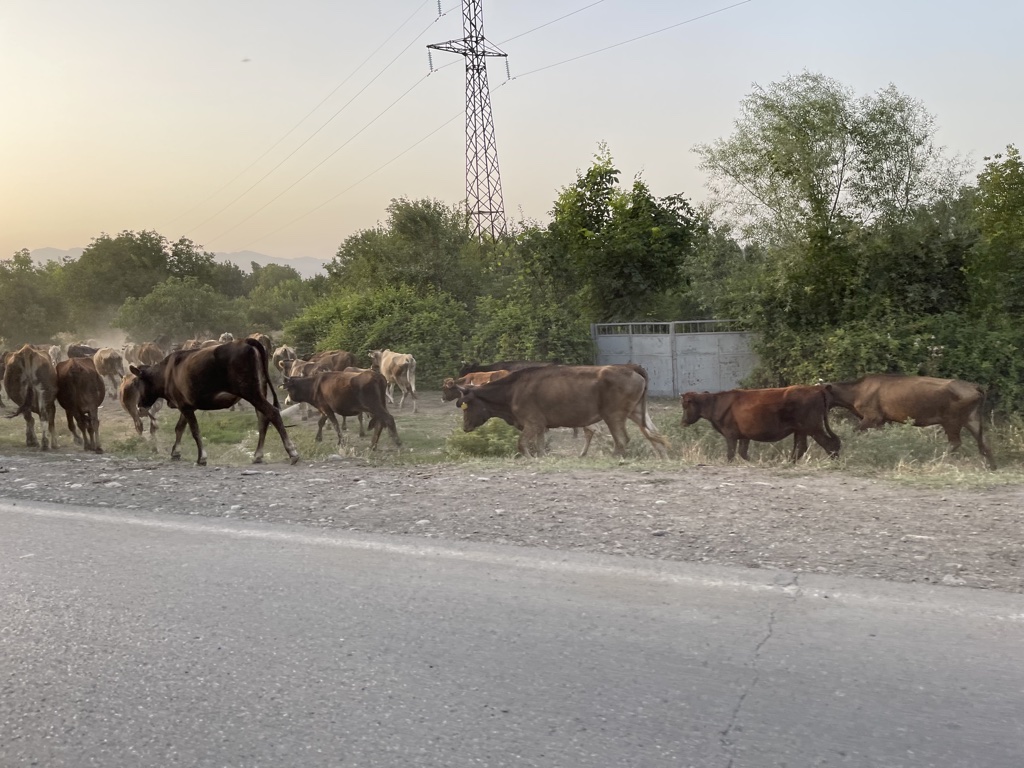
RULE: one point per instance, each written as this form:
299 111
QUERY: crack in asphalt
724 740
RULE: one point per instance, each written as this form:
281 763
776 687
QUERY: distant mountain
307 266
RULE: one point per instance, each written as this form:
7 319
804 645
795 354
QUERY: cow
150 353
346 393
226 337
281 355
80 392
333 360
885 398
56 354
450 387
262 338
501 365
130 352
31 383
128 395
81 350
536 399
108 363
213 379
764 415
398 369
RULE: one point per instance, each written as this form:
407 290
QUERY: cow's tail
657 440
264 373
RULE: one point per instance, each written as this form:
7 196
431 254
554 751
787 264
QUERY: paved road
146 640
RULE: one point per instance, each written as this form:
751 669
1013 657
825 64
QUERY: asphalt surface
134 639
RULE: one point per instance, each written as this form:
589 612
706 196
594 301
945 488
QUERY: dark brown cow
536 399
128 395
212 379
80 392
501 365
450 387
31 382
81 350
884 398
764 415
346 393
302 395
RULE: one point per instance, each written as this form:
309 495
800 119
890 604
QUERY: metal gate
682 355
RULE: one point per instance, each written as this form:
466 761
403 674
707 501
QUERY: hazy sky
175 116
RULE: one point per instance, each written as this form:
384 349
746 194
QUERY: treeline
836 228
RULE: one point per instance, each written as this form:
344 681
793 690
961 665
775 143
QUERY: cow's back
572 395
79 385
922 399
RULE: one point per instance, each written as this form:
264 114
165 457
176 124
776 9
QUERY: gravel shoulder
820 521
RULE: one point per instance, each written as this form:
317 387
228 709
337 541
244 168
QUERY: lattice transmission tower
483 180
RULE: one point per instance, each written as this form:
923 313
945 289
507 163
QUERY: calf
128 395
80 392
764 415
109 363
398 369
346 393
450 387
884 398
31 382
212 379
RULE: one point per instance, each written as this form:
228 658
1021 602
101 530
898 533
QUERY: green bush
495 438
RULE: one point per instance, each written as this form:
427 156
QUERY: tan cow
150 353
80 392
31 382
109 363
262 338
450 387
283 354
534 400
397 368
884 398
128 395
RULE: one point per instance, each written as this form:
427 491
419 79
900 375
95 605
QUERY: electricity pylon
483 180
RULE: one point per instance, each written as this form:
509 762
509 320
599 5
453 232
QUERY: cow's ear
135 370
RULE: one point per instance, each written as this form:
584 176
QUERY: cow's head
375 356
691 403
149 390
474 410
449 391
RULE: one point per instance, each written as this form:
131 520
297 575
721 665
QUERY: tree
182 308
806 156
997 265
424 244
617 249
32 309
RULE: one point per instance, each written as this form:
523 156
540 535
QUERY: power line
324 125
549 23
292 130
336 151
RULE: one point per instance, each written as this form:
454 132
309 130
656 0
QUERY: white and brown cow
397 368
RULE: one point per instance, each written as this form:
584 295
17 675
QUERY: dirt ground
814 520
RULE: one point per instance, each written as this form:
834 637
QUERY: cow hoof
257 460
98 449
294 459
175 457
200 462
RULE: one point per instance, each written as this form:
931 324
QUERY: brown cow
534 400
31 382
450 387
80 392
108 363
263 339
884 398
150 353
398 369
81 350
333 360
128 395
346 393
303 395
213 379
501 365
764 415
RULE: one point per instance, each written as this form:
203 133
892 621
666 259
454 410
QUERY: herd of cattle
531 396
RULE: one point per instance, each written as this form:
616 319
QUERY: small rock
953 581
422 522
659 533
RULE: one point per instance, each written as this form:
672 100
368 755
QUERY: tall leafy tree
997 265
32 309
181 308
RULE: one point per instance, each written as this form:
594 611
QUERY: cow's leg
50 424
830 443
387 392
730 448
193 425
273 416
799 446
953 435
588 435
362 431
975 427
261 429
744 448
94 428
30 430
329 416
72 430
179 430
